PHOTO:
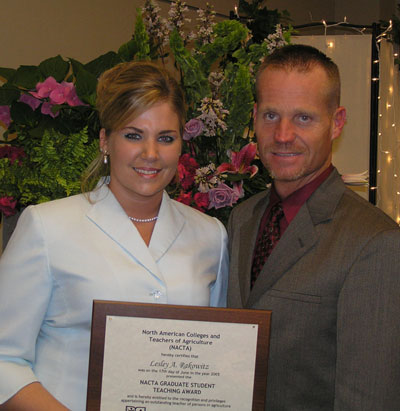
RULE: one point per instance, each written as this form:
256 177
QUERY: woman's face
144 154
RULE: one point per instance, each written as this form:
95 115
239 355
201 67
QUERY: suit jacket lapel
300 236
109 216
248 235
168 227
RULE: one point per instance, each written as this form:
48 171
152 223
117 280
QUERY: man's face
295 125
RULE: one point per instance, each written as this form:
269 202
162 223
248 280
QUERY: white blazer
66 253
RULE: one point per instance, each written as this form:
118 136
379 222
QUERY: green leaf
127 51
21 113
230 34
55 67
238 98
85 84
103 63
195 84
7 73
8 94
141 39
27 77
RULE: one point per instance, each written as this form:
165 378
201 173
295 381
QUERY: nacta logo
130 408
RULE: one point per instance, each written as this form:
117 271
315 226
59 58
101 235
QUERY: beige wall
33 30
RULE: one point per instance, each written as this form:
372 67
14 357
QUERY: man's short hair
304 58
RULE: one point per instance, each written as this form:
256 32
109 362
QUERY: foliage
261 21
52 124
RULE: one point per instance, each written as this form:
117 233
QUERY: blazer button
156 294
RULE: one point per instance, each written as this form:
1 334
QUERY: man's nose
284 132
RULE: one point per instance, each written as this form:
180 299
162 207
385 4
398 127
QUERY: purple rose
33 102
193 128
222 196
5 117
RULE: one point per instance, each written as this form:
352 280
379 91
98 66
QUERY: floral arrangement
52 126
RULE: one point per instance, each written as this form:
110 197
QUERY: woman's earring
105 158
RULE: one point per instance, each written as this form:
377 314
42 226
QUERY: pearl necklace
143 220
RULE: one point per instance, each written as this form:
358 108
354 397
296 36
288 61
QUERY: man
332 280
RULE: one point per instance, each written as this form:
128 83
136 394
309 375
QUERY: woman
126 240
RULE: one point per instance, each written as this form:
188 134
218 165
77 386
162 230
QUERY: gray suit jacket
333 285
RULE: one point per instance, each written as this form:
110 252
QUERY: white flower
205 29
206 178
155 25
275 40
177 18
212 115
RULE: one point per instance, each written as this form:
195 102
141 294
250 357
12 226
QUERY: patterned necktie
267 241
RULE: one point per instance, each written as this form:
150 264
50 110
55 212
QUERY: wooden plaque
122 330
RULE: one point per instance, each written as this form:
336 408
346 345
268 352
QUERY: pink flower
238 188
5 116
186 170
201 201
44 89
65 93
59 94
12 153
185 198
240 162
222 196
33 102
193 128
7 206
71 96
46 109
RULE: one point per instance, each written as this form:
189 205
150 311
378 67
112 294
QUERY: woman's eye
132 136
166 139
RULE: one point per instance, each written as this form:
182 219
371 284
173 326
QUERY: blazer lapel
109 216
248 235
297 240
168 227
300 236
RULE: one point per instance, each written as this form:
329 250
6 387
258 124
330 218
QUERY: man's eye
304 118
132 136
166 139
270 116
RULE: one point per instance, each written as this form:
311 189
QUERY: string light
388 186
388 157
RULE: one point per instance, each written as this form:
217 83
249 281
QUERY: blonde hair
126 91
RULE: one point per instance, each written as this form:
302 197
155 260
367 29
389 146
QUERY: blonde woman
126 240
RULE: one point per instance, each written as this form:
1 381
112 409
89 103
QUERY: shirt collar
292 204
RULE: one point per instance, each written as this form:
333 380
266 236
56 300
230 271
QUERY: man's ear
339 120
103 141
